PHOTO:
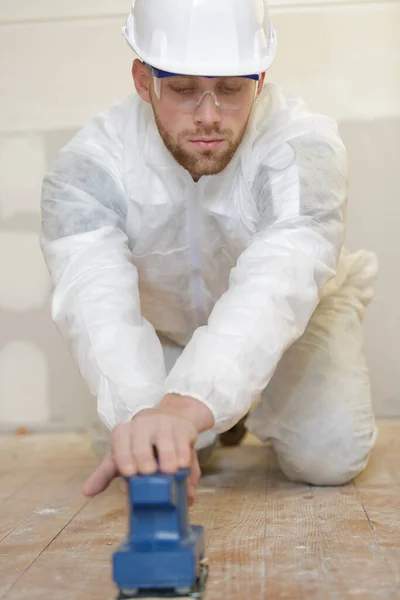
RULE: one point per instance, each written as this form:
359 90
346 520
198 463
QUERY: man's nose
207 110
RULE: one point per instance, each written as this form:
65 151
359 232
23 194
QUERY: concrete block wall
62 63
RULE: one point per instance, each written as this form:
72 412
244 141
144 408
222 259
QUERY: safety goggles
184 93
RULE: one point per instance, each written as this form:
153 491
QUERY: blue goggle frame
162 74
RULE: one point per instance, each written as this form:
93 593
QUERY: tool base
196 592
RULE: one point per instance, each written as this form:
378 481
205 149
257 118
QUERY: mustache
206 132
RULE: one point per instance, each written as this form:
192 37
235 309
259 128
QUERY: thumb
101 478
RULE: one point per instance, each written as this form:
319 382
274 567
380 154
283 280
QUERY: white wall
61 63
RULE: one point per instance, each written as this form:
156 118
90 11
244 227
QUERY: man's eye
229 90
182 90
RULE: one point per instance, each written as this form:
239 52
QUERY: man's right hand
134 444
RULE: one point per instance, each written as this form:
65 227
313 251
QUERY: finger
191 496
195 471
165 445
194 478
192 489
122 451
101 478
143 452
183 452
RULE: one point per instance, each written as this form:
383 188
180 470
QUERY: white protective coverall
230 269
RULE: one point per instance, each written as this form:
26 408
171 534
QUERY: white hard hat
202 37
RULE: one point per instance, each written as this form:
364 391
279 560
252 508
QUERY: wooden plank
23 458
291 559
266 537
318 541
351 557
33 518
77 564
12 482
379 493
235 527
40 490
34 496
35 451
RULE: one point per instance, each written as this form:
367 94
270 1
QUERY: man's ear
142 80
260 84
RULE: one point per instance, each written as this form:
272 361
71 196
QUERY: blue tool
163 556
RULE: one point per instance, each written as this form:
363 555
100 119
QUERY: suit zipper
195 261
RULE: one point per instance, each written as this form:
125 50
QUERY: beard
206 162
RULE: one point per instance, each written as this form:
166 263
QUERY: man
204 217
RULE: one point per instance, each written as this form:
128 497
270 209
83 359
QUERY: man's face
203 139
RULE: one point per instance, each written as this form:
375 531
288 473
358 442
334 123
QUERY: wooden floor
266 537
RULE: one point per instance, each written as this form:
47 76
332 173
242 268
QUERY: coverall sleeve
96 302
277 281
